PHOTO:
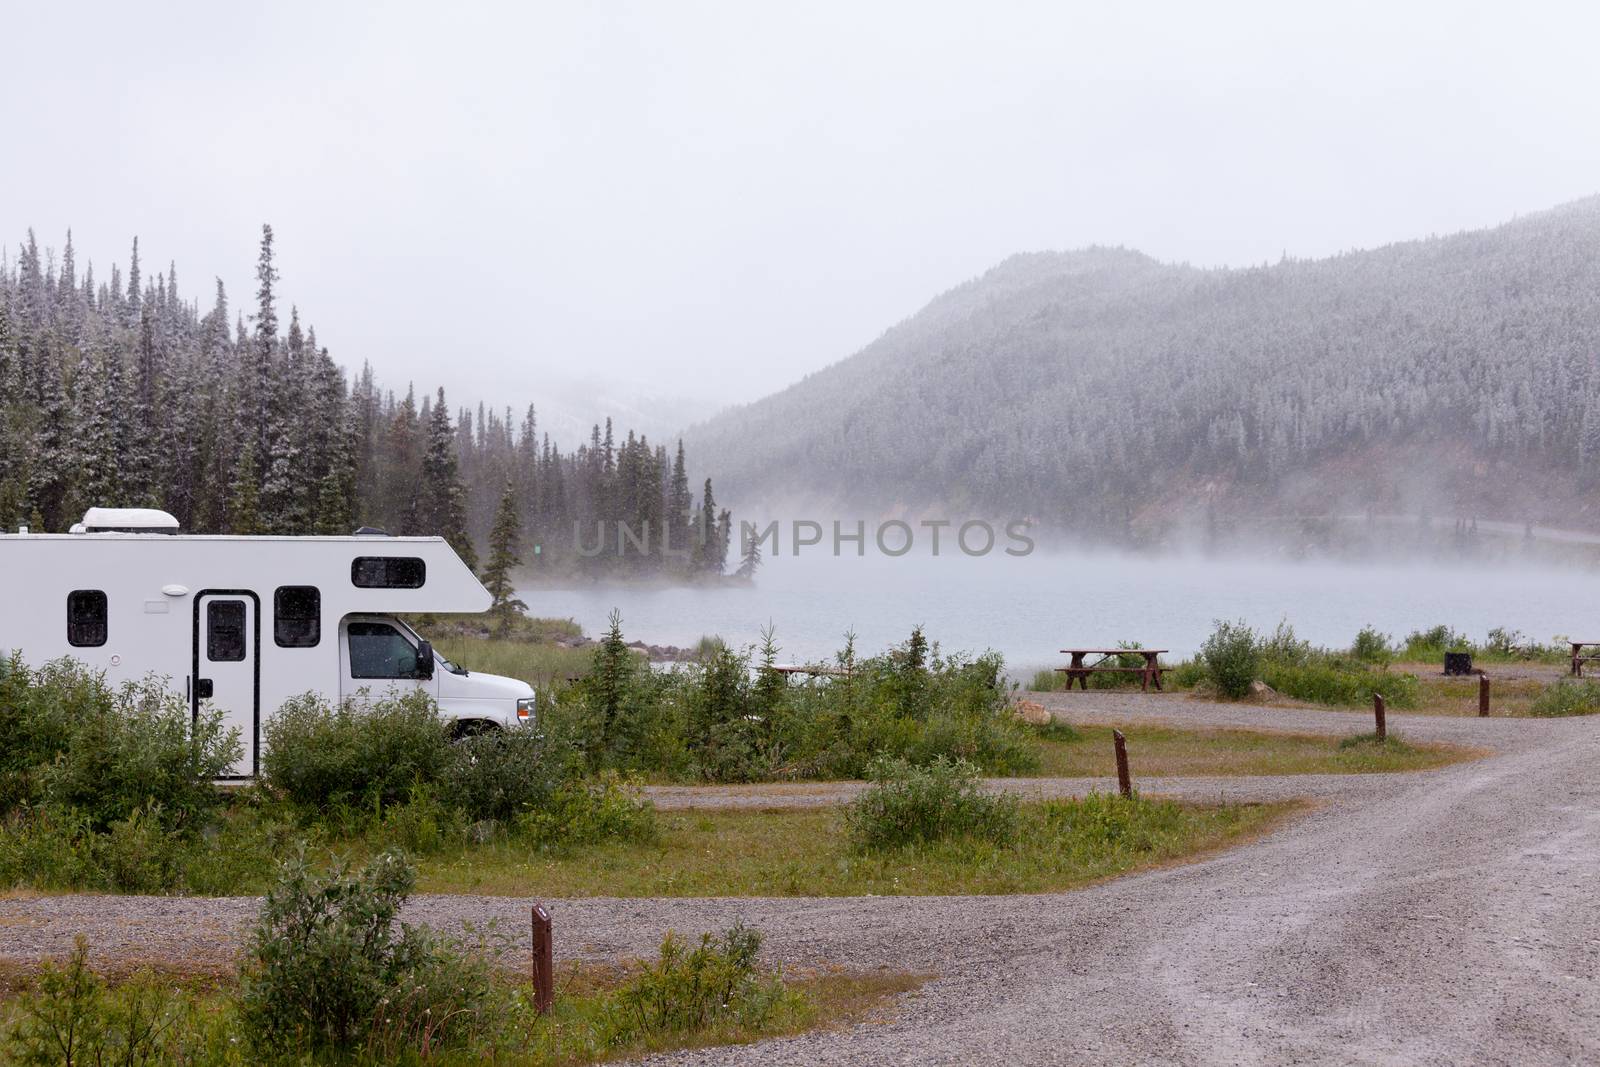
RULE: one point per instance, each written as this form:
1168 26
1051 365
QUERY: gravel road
1442 917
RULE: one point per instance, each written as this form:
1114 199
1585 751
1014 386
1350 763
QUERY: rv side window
86 618
377 650
388 572
297 616
225 631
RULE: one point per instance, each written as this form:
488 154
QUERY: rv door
227 668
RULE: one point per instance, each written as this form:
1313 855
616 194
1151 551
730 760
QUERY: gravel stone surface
1435 918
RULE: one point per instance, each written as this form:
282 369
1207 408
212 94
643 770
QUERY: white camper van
245 623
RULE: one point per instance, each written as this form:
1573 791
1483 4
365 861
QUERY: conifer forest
119 389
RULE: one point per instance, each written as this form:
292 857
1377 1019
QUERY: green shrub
358 753
69 1016
910 805
1188 674
688 990
1048 680
145 753
1331 680
1371 646
1285 646
328 968
608 808
1435 642
1056 730
1231 658
69 740
731 718
1567 698
500 774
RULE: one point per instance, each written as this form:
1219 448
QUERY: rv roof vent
371 531
128 520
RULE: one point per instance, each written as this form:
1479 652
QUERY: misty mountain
1109 394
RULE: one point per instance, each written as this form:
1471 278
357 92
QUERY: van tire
465 728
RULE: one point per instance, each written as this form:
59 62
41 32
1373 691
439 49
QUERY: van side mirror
425 659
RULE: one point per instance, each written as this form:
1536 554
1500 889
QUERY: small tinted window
225 626
86 618
377 650
297 616
388 572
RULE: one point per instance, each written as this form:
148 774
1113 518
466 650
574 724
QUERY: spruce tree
244 495
441 500
749 558
504 558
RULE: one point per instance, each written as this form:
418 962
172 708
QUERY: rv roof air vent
371 531
128 520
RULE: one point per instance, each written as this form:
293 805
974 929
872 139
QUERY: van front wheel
464 728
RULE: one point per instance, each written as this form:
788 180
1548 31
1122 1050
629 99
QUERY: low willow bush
104 786
327 967
731 717
358 752
1331 679
1235 655
71 741
913 805
1567 698
1232 658
685 990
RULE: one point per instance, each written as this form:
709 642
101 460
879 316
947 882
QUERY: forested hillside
120 391
1108 393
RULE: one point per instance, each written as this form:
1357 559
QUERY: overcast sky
715 199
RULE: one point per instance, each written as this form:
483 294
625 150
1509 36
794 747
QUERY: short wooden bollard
1124 779
544 966
1483 694
1380 727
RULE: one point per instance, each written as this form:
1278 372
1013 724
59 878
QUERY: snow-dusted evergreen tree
244 494
441 500
285 491
504 558
103 432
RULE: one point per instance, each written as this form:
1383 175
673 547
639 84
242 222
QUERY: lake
1026 608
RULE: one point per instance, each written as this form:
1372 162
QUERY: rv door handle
203 689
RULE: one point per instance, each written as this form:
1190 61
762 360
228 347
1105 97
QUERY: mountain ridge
1093 386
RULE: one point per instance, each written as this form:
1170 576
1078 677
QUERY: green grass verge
192 1019
1164 751
1061 844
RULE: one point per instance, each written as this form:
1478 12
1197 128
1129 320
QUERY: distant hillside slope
1100 389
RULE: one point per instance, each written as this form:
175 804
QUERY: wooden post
1483 695
1380 727
1124 779
544 967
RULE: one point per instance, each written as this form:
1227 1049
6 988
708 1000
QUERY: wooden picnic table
1578 658
1079 672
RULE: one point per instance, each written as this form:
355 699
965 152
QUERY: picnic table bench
1579 659
1079 672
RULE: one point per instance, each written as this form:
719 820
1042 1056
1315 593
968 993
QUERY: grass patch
1576 697
543 666
1058 845
1169 751
1439 695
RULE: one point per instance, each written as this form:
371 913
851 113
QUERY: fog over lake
1027 608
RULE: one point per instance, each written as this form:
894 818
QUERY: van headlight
525 707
